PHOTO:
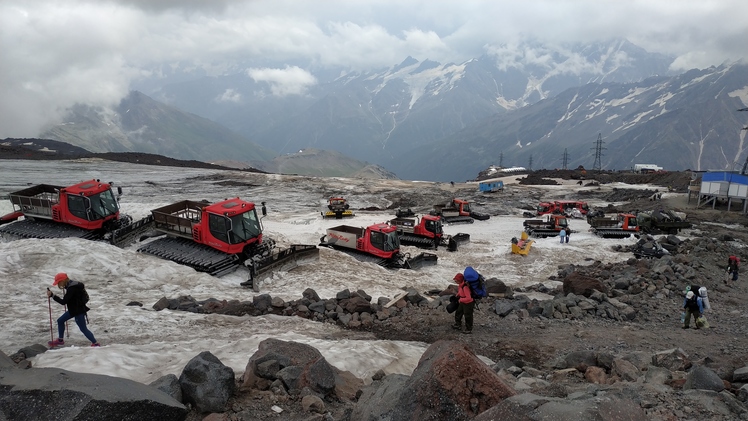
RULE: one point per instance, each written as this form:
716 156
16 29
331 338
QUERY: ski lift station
723 185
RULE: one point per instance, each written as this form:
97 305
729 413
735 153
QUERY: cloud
229 95
55 53
289 81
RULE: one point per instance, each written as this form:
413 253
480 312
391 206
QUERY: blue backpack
476 282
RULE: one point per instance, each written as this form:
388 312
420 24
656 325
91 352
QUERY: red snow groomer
458 211
426 232
88 210
378 243
219 238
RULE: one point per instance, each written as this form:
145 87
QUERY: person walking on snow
693 305
562 234
568 235
465 305
75 297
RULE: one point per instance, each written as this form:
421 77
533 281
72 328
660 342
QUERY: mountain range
526 105
689 121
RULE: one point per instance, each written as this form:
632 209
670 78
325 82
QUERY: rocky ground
647 296
538 341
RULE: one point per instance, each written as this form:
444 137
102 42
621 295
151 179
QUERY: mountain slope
144 125
377 115
687 121
314 162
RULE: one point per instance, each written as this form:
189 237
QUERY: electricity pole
501 160
529 166
565 160
598 153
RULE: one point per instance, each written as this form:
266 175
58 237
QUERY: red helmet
59 278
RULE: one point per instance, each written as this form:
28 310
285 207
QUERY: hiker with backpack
693 305
471 287
465 305
75 298
733 265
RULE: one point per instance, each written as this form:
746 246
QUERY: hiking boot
96 345
456 326
468 332
684 327
56 342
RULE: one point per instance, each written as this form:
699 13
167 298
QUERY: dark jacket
74 298
732 266
696 306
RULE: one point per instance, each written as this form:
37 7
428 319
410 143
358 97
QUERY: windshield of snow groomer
104 204
543 208
244 226
434 226
391 241
385 241
94 207
632 221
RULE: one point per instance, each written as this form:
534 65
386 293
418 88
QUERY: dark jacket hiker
693 306
75 298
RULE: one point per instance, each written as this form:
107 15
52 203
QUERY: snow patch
660 102
741 93
633 93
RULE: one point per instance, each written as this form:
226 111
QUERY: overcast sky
56 53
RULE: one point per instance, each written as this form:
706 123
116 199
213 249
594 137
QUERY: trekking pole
67 327
51 332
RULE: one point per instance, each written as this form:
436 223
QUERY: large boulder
6 362
298 366
701 377
169 384
30 351
54 393
449 383
578 359
207 383
740 375
673 359
356 304
496 286
625 370
578 284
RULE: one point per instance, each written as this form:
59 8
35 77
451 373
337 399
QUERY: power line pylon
529 166
598 153
501 160
565 160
